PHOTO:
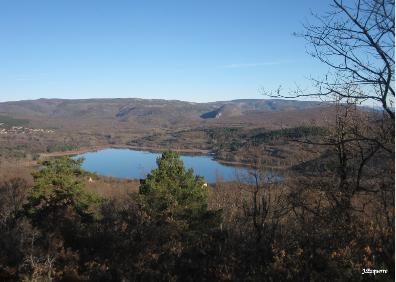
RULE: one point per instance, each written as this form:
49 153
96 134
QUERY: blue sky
203 50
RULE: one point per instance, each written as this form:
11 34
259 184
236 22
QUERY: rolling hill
129 110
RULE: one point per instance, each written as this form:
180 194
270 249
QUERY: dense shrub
167 232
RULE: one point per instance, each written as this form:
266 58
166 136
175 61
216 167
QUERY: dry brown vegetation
330 219
110 187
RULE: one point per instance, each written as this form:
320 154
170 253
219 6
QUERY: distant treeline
235 138
9 121
56 147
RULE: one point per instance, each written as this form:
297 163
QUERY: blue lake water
126 163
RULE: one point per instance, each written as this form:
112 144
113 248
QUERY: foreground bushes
167 232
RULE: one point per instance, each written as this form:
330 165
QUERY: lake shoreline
83 150
190 152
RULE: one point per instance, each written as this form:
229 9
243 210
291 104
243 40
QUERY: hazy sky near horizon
202 50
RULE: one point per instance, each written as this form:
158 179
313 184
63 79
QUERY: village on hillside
22 130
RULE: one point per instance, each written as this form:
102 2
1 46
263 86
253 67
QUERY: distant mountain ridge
242 106
138 113
124 107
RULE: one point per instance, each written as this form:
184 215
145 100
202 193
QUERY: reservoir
132 164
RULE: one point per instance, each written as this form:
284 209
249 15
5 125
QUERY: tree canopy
174 192
59 191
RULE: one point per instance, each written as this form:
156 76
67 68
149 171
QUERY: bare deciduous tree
356 41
